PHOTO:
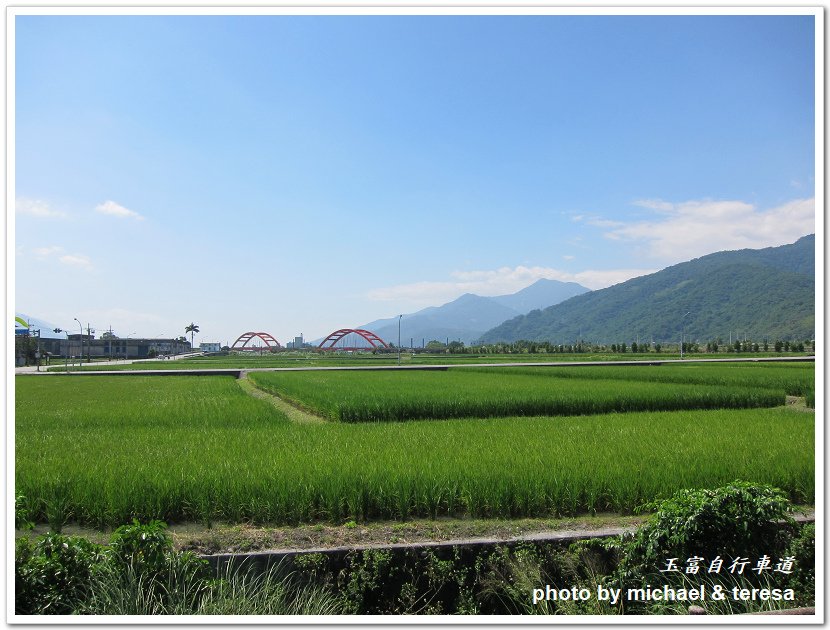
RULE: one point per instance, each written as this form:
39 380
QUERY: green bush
52 576
740 519
144 547
803 577
140 573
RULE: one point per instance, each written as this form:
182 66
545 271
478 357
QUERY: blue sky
294 174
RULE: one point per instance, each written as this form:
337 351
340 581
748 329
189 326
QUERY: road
32 369
241 372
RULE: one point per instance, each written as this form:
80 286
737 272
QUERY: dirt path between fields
798 403
293 413
243 538
223 539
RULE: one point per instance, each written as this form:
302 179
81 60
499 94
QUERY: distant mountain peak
469 315
542 293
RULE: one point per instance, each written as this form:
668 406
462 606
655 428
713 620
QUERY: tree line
524 346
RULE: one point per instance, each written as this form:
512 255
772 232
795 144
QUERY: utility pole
400 317
88 343
81 337
37 349
66 355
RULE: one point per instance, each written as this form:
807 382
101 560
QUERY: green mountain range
758 294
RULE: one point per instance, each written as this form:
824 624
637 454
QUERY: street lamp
399 338
66 356
81 328
682 333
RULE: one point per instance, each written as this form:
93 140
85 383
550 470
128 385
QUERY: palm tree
192 329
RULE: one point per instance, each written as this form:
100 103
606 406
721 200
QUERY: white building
210 347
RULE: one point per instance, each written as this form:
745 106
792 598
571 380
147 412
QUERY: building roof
46 328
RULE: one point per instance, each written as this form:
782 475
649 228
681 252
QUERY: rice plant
794 378
460 393
199 449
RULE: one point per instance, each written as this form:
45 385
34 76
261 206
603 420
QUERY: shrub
803 577
52 576
144 547
140 574
740 519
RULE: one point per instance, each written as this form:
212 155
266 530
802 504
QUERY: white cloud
71 260
595 221
605 223
113 209
654 204
497 282
76 260
602 278
45 252
568 257
695 228
36 208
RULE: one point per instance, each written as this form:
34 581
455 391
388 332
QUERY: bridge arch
337 335
244 338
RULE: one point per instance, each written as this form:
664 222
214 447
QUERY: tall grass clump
189 590
243 591
139 573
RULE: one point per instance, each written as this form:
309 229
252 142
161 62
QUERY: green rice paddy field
101 450
494 392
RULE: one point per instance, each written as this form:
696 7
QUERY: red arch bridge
244 338
371 340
